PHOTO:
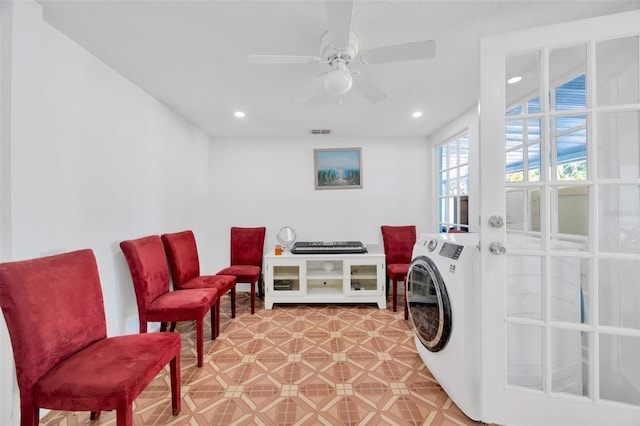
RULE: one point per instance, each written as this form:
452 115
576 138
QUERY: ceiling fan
339 49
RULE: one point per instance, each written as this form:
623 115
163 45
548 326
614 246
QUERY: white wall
270 182
93 160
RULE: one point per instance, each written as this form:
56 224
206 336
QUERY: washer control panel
451 251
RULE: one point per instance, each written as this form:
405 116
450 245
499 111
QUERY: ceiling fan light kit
339 47
338 81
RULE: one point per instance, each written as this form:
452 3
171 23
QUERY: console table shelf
325 278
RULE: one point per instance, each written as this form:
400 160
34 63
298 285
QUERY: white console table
325 278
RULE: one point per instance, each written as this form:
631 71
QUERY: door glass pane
569 291
572 213
514 133
619 368
619 292
523 210
524 356
534 210
533 106
567 68
515 209
527 67
618 145
617 71
515 111
524 286
534 162
533 130
570 361
619 218
571 147
571 94
515 164
523 214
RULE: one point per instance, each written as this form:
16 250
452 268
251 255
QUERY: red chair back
398 243
182 253
247 246
149 270
53 307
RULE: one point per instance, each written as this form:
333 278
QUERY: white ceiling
192 56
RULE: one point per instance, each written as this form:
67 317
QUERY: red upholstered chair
247 249
184 263
150 274
398 247
64 360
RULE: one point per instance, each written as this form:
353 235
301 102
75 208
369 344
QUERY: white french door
560 163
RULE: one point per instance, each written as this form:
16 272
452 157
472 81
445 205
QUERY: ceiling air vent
320 131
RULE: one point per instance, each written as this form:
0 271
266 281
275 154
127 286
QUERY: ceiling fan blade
339 14
282 59
399 52
368 89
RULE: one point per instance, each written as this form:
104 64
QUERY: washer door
429 306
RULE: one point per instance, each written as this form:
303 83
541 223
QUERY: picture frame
338 168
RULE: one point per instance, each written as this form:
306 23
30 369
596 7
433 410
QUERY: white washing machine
443 298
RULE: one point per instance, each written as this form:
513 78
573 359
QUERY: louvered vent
320 131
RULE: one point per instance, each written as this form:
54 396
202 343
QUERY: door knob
496 221
497 248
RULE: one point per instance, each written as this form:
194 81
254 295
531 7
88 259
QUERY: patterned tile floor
296 365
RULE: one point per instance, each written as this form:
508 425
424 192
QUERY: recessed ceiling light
239 114
417 114
514 80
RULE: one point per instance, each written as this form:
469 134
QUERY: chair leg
174 372
200 340
29 415
163 327
173 326
406 305
213 321
232 294
124 415
217 306
253 298
394 296
94 415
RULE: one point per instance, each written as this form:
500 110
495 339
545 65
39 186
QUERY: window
453 188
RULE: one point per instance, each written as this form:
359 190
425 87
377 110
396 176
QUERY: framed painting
339 168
